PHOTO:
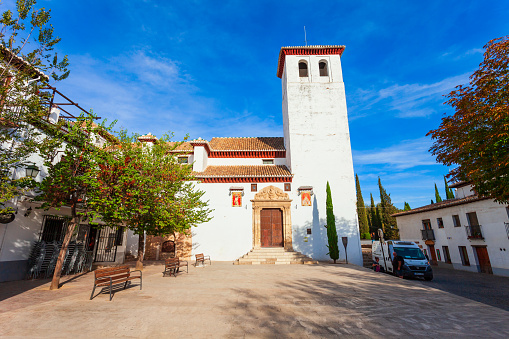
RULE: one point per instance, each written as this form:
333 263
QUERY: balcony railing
428 235
474 232
507 228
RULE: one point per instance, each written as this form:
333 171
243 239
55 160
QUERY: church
268 193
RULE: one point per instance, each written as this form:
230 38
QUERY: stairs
274 256
367 258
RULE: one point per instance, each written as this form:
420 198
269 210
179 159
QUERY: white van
416 265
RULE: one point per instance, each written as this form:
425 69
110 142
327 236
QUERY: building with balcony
468 232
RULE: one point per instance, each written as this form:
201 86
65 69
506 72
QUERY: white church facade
269 193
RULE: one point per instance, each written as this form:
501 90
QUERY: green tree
332 234
374 216
437 195
70 178
26 55
475 139
407 207
387 209
361 211
449 194
142 186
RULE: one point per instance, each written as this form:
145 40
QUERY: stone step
275 256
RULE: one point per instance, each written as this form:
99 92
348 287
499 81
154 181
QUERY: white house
268 193
30 224
469 232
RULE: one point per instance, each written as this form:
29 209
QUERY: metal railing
428 235
474 232
507 228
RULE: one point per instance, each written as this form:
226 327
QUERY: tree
142 186
70 179
374 216
387 209
449 194
407 207
26 56
361 211
332 233
437 195
475 138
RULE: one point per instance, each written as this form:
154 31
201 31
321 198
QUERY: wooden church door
271 223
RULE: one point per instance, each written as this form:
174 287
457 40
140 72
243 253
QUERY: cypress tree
372 216
332 234
389 224
437 195
432 201
449 194
361 211
407 207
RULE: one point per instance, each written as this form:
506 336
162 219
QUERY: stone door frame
272 197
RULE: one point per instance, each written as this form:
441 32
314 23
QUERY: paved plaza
261 301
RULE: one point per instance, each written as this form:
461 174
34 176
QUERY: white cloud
402 156
407 101
150 93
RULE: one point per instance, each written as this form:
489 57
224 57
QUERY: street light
32 171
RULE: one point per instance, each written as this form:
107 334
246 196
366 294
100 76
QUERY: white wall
491 217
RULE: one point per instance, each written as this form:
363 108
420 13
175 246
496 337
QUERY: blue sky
209 69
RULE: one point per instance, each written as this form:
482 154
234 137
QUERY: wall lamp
32 171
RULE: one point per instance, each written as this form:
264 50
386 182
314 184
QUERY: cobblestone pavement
266 301
489 289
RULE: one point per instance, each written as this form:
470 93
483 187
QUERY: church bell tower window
303 69
322 65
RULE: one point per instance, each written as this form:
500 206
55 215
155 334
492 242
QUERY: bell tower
317 137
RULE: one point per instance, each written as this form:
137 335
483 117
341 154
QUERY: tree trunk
334 260
141 250
63 250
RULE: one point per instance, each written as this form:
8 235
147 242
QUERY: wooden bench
173 265
201 258
113 275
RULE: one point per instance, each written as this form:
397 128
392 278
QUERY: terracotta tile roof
248 144
442 204
185 146
244 171
459 184
306 50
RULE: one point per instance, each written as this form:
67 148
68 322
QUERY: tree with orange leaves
476 137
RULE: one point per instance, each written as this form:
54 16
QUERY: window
119 236
288 187
464 256
322 65
426 224
447 256
254 187
456 220
440 223
183 160
303 69
308 231
472 219
268 161
53 228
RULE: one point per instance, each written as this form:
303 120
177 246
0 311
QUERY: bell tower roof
306 50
